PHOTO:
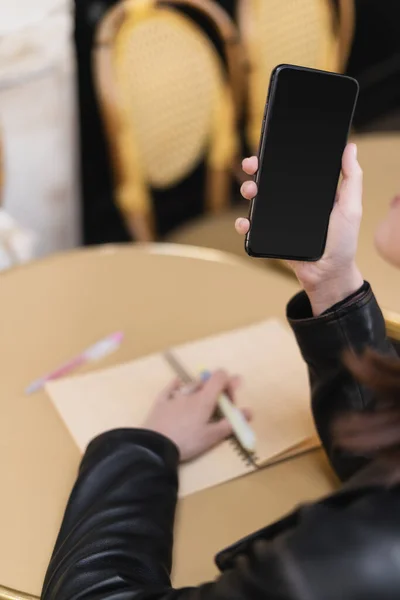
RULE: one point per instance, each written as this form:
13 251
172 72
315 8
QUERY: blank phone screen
306 130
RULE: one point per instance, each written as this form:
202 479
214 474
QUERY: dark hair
374 433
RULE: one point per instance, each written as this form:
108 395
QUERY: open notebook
275 387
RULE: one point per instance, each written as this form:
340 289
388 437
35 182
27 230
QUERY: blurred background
127 120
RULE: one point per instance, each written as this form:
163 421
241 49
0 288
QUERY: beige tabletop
53 309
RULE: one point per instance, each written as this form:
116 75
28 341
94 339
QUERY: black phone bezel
263 135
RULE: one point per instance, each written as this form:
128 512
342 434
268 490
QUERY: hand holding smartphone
306 123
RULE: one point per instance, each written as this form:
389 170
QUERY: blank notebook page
274 386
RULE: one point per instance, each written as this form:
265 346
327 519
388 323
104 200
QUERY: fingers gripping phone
306 123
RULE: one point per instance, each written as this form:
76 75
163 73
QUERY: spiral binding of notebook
251 460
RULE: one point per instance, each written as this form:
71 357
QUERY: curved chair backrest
168 100
302 32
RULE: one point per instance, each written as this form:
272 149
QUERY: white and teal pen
241 428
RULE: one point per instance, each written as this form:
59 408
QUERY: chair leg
141 227
218 190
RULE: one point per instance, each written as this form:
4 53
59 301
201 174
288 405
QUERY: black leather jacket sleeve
117 531
115 541
354 324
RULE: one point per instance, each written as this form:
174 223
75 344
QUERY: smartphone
306 124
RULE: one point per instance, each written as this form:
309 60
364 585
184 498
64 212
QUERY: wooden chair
305 32
168 101
346 30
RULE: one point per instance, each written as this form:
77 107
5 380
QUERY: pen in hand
241 428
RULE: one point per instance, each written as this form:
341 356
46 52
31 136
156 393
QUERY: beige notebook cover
275 386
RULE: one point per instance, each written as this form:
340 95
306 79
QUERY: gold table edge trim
157 248
8 594
392 320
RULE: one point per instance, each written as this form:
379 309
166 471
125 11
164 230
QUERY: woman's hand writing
184 415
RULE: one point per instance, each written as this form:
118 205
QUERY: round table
158 295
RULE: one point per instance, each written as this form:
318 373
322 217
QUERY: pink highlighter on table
96 352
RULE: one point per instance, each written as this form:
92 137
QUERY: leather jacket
116 544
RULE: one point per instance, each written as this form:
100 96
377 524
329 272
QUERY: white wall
38 119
